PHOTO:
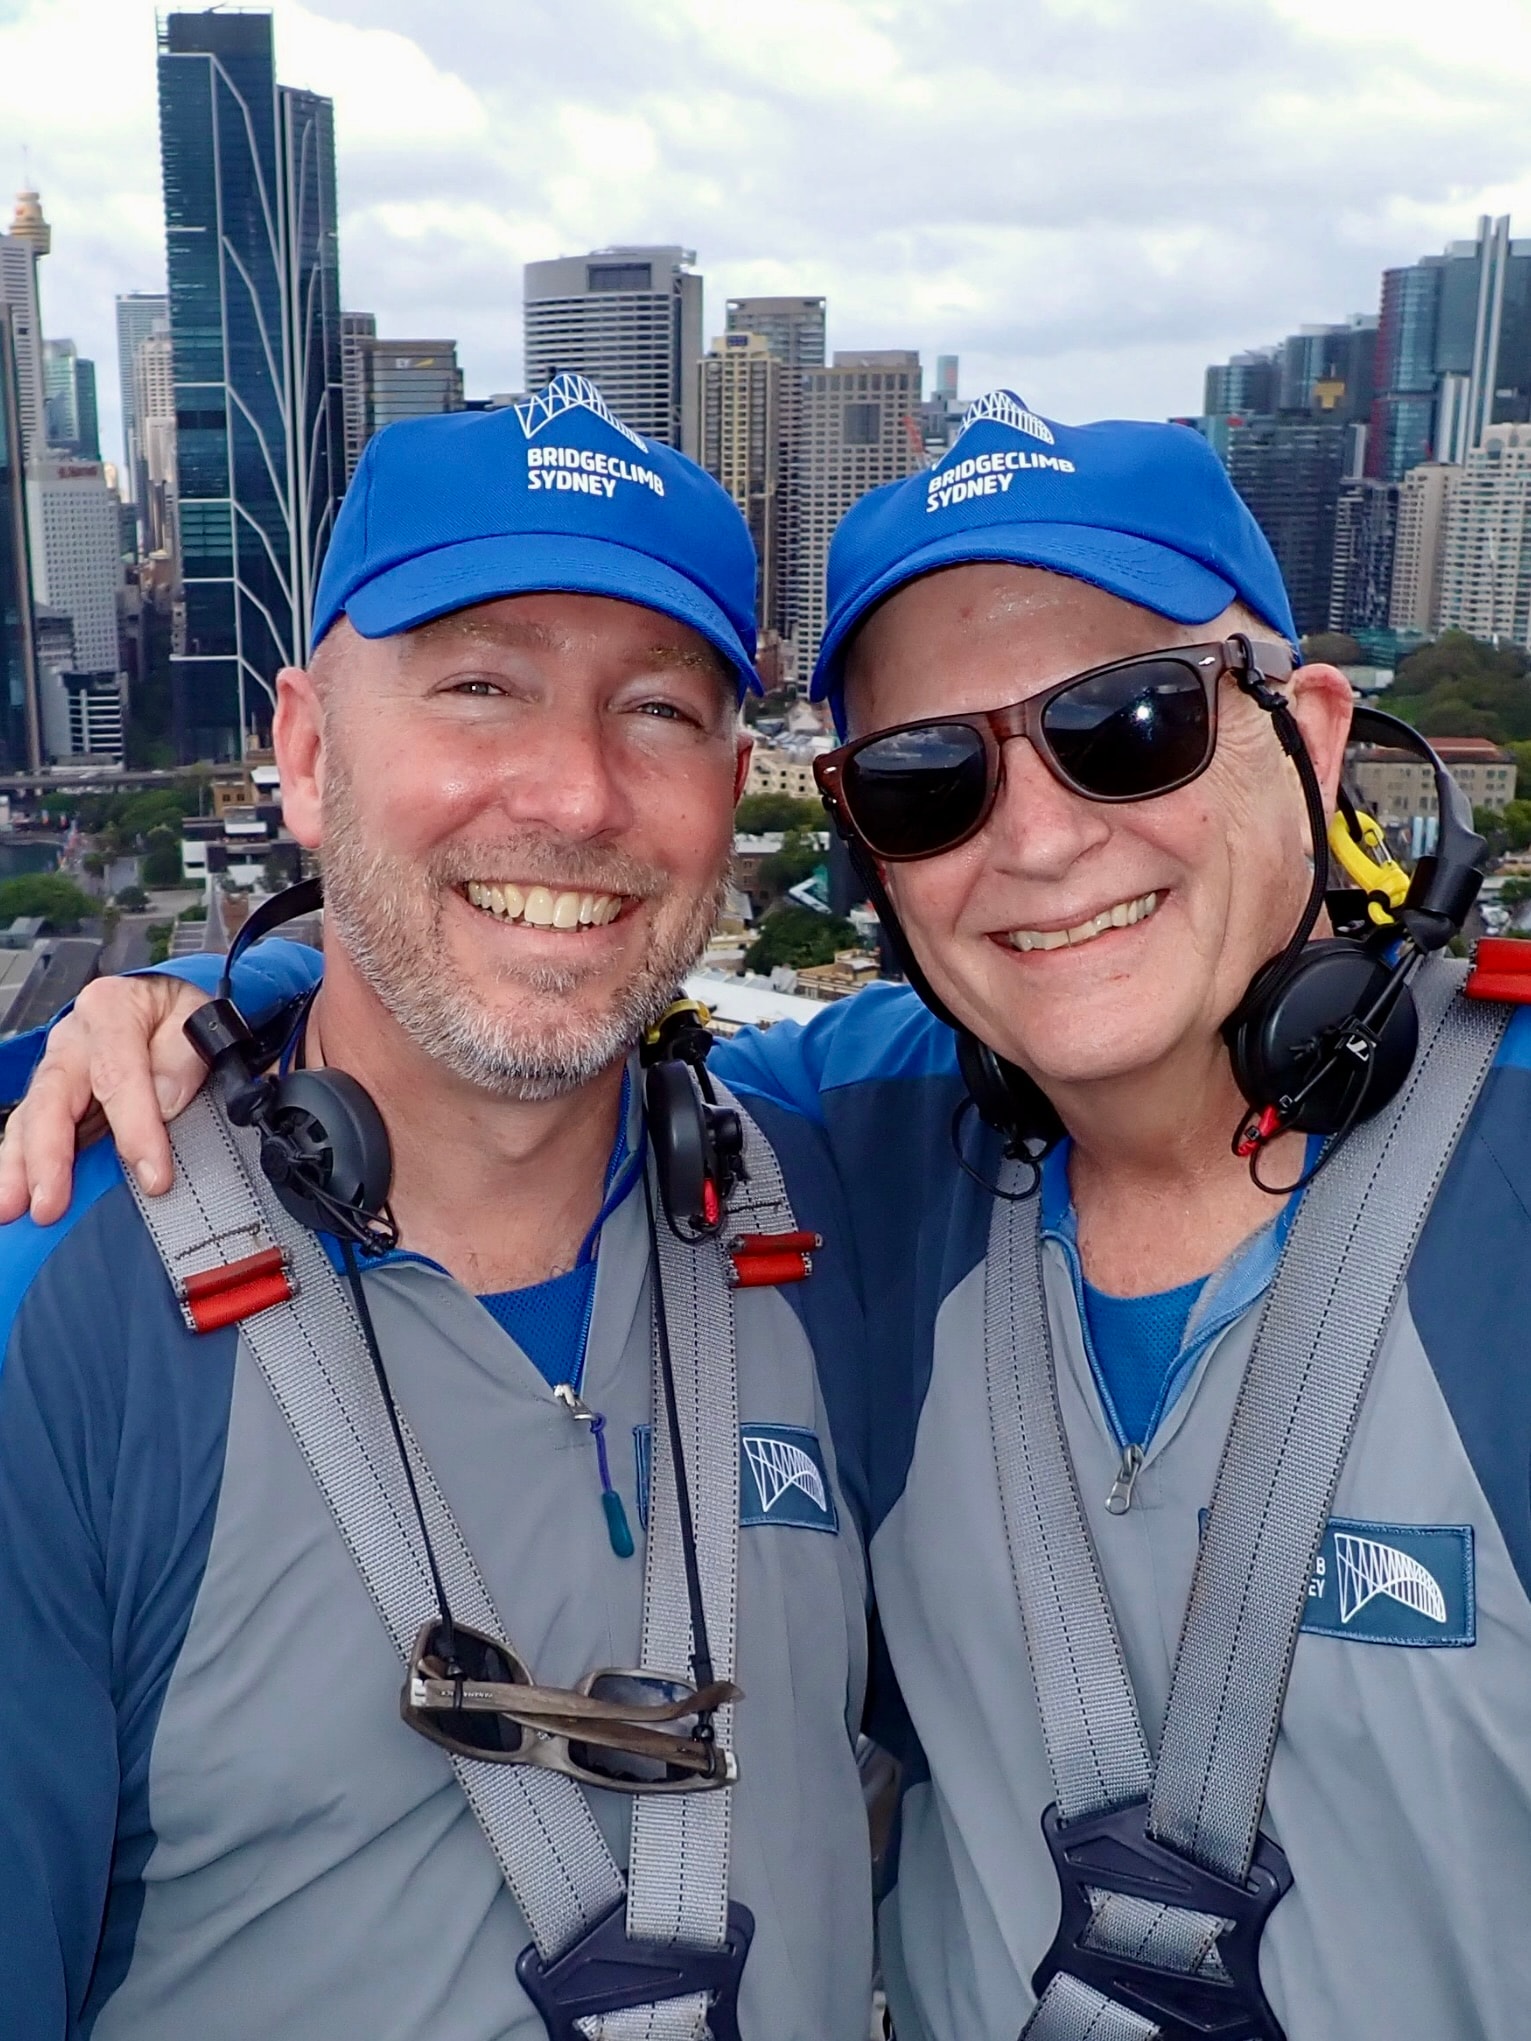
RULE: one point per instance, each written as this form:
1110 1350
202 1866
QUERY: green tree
798 936
758 813
799 857
158 936
1516 823
162 861
59 901
1515 892
1459 686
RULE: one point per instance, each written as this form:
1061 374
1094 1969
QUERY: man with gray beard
515 751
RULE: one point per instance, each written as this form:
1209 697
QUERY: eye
668 712
476 687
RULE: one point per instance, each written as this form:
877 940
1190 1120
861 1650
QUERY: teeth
541 907
1123 915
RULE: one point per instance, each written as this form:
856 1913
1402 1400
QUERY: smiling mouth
542 906
1125 914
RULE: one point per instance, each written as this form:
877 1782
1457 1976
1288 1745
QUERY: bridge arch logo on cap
570 392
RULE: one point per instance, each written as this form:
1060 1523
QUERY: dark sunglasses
1124 732
633 1732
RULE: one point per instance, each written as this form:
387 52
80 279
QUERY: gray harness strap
312 1354
1320 1329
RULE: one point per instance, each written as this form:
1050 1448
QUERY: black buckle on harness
1113 1852
605 1972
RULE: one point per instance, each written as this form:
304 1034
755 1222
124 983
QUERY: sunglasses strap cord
658 1955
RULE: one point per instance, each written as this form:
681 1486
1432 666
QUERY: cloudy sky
1085 199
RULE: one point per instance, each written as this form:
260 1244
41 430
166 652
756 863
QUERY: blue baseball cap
1146 512
552 493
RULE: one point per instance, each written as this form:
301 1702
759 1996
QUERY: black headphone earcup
323 1130
1009 1101
1293 1012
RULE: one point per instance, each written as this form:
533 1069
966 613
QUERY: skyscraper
794 330
408 379
356 329
154 486
857 427
1246 384
1365 533
249 174
631 320
1288 469
20 737
139 313
1453 351
1485 572
69 383
77 570
1414 604
29 239
742 445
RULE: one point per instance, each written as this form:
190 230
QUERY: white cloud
1088 198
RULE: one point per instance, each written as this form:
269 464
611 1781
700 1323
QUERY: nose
560 770
1038 827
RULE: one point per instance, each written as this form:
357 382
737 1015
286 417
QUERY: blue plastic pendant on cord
616 1524
617 1527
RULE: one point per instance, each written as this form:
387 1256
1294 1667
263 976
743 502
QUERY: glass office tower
19 732
253 271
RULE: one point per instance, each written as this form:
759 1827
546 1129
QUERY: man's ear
1322 701
297 735
744 747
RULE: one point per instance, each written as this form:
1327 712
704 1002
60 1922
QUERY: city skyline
1097 256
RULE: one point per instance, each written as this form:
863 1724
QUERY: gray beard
388 912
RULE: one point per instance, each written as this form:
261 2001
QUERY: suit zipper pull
1119 1501
618 1530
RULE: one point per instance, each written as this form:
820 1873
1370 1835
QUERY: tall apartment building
857 428
1365 532
1485 572
69 401
1453 351
1414 603
1288 469
253 269
631 320
741 387
408 379
139 314
75 521
356 329
20 733
29 239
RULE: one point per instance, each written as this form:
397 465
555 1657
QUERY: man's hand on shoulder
119 1062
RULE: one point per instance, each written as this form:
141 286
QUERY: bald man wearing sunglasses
1200 1524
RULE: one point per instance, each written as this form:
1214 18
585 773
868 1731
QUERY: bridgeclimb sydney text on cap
552 493
1144 511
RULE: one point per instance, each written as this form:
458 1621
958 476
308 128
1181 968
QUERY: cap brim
1138 570
537 563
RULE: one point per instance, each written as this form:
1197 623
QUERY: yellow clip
678 1006
1370 864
